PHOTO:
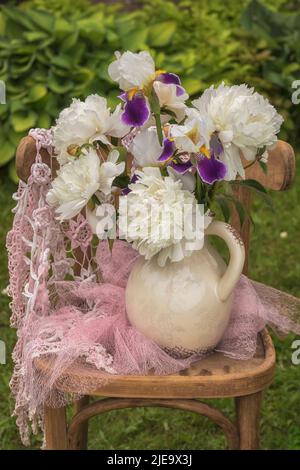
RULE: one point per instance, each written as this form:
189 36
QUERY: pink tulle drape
83 321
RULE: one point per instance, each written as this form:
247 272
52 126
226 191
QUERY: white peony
169 98
132 69
158 218
108 172
187 179
77 181
244 120
83 122
146 148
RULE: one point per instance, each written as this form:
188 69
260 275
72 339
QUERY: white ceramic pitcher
185 306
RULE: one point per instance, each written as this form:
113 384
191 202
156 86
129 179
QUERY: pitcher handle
237 256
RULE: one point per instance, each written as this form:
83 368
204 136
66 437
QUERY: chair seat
214 376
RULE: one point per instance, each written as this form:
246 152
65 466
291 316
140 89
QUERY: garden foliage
53 50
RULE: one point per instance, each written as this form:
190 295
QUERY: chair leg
248 411
55 428
82 433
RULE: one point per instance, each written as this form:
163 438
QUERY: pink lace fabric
82 322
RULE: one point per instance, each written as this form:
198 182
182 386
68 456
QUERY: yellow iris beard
205 151
132 92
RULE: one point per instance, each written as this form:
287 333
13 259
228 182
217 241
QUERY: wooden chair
216 376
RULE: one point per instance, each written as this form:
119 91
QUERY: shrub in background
52 50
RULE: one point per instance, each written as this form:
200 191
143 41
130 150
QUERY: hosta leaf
16 105
62 27
42 19
192 85
32 36
44 120
12 172
17 16
2 24
59 86
23 120
135 40
7 151
15 137
161 34
64 61
92 28
69 41
36 93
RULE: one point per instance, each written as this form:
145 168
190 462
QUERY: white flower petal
146 148
244 120
132 69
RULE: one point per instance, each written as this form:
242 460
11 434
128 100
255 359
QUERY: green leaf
32 36
135 40
224 206
263 166
161 34
44 120
62 27
250 183
122 153
12 172
59 86
7 151
17 16
36 93
259 189
42 19
192 85
64 61
2 24
121 181
241 211
70 41
23 120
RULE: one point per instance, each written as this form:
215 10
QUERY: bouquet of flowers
156 151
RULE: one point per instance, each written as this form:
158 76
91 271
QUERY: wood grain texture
55 428
109 404
80 437
248 411
281 168
25 157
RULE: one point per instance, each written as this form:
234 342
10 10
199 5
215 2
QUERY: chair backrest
280 175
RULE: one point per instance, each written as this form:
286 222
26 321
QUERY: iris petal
169 78
211 169
216 145
168 150
181 167
136 111
179 90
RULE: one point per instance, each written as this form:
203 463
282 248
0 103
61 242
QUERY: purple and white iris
136 76
205 161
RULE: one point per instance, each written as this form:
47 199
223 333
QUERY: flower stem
158 127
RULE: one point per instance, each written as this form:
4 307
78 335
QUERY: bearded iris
205 161
138 79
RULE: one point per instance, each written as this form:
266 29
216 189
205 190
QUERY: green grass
274 260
